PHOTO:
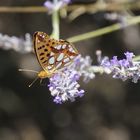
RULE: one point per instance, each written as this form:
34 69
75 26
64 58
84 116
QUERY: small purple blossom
64 85
129 56
123 69
49 5
83 67
56 6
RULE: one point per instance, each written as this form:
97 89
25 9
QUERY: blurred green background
110 109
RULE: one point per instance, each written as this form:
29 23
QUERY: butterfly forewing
53 54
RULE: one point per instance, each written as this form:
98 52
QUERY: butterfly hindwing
53 54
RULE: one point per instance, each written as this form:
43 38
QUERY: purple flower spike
64 85
123 69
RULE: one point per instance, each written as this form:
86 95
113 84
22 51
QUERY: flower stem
136 58
104 30
55 22
89 8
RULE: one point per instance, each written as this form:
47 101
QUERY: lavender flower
123 69
83 67
56 6
16 44
64 85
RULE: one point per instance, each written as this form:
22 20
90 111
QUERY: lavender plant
64 85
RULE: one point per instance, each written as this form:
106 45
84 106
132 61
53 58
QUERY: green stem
104 30
55 22
136 58
89 8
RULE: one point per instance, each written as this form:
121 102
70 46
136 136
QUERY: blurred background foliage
110 109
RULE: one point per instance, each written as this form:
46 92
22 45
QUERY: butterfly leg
42 83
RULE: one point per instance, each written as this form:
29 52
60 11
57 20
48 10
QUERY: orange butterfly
52 54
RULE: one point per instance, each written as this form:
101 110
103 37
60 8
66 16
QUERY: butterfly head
41 36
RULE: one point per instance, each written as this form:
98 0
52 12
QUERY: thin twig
28 9
89 8
105 30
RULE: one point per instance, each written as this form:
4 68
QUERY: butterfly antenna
28 70
33 81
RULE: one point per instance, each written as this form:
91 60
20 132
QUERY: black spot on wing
48 55
44 61
41 47
45 50
42 54
42 58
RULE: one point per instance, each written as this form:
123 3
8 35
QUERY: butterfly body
44 74
52 54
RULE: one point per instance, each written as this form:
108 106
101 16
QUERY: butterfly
53 55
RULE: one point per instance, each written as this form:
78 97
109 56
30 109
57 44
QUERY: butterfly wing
53 54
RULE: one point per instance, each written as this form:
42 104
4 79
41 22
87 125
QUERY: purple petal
49 5
129 55
124 63
81 93
57 100
114 61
